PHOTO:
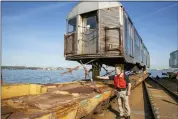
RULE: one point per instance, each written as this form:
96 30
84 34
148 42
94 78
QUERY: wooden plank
71 44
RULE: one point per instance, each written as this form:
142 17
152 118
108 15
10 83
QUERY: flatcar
105 32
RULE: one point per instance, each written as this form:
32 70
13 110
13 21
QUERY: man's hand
129 88
102 77
128 93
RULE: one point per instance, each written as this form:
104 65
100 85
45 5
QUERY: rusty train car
104 31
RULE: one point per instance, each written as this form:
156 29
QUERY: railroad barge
73 100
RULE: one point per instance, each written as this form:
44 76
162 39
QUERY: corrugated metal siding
109 18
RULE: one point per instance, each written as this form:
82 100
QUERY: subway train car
104 31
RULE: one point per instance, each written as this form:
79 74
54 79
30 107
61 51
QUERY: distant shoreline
30 68
34 68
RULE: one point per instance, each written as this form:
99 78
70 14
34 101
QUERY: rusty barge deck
73 100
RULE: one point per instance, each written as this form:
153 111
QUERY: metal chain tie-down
70 70
86 73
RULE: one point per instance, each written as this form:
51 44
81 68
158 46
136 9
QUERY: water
45 76
41 76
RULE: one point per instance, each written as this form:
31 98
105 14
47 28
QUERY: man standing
123 85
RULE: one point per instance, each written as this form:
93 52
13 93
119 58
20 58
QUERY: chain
70 70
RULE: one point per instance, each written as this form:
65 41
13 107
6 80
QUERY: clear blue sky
33 32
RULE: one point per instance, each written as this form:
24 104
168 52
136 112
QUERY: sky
33 32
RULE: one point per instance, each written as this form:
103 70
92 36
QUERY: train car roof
84 7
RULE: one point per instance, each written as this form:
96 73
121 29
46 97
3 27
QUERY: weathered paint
43 89
48 116
84 102
70 115
106 95
15 90
87 106
66 112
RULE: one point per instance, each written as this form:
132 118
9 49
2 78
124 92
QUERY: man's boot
128 117
120 117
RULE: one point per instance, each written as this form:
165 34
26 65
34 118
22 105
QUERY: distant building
173 61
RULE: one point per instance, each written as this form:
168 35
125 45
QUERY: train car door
89 33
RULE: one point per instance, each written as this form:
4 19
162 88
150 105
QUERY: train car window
141 51
129 24
129 38
137 40
92 22
132 33
72 25
126 32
